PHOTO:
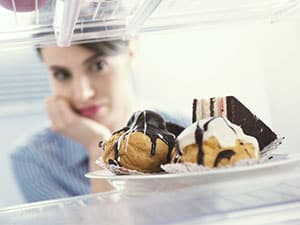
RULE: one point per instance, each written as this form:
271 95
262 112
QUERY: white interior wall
257 62
202 63
279 55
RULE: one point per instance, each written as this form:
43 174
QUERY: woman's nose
82 89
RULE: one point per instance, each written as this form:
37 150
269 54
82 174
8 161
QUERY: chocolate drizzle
225 154
178 152
152 125
229 125
198 135
174 128
205 126
199 140
113 162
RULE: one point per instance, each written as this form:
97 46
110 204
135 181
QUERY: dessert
174 128
142 145
224 132
214 142
237 113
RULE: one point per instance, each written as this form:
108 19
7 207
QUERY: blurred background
257 62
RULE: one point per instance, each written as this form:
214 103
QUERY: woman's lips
90 111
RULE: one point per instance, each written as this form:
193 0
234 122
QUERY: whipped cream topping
221 128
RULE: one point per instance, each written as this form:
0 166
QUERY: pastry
214 142
143 144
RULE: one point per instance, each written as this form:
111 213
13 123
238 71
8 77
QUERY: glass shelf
268 201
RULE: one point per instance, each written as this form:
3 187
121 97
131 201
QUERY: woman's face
95 86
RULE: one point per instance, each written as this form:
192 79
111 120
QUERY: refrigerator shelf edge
91 20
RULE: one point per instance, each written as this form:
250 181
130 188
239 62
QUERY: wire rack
73 21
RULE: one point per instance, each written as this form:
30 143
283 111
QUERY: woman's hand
81 129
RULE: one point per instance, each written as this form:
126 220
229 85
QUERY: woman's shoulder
171 116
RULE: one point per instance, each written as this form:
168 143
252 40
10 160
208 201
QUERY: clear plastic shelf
65 22
65 18
268 203
172 14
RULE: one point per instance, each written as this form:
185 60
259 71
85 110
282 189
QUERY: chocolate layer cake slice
237 113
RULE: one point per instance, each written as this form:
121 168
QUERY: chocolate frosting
225 154
151 124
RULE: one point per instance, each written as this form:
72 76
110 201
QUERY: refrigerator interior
246 202
65 21
253 44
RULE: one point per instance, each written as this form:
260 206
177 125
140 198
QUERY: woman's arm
96 184
35 181
82 130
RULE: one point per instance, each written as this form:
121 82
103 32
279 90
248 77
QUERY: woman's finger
60 113
51 110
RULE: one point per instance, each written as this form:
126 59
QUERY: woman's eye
97 66
61 75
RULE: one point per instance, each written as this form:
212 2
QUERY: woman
92 96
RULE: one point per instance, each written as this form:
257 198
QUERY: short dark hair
105 48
